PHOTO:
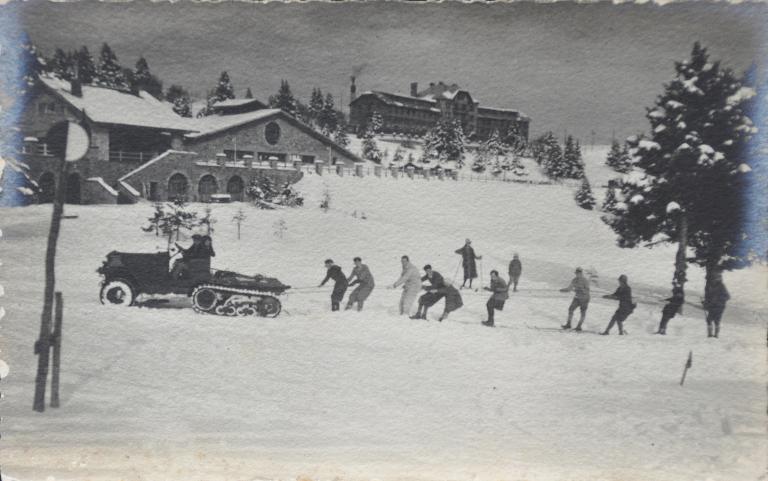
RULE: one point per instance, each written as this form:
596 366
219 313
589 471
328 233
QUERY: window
44 108
308 159
272 133
237 154
270 156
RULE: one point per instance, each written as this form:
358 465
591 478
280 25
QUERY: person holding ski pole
468 257
411 282
339 283
672 308
623 294
364 278
715 298
432 295
580 286
496 301
515 270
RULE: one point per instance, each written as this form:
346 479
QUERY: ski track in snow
159 392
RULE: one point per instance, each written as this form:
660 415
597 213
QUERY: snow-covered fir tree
62 64
514 140
618 158
86 69
224 89
572 166
179 97
446 142
370 149
248 93
142 79
327 118
315 106
398 156
689 177
549 155
491 154
584 197
109 73
284 99
340 135
375 123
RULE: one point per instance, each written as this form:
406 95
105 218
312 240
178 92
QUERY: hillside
159 392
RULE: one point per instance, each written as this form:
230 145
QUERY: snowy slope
162 393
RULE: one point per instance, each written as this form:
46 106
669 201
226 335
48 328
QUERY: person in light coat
411 282
364 280
580 286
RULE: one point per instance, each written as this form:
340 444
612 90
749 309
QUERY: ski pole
458 266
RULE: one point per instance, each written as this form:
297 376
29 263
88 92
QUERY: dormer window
44 108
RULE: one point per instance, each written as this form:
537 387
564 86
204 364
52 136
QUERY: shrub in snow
238 219
618 158
171 218
325 203
687 184
340 135
280 227
266 195
207 221
445 142
584 197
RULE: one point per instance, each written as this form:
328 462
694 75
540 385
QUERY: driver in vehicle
181 266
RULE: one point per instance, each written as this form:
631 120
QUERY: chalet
140 148
416 113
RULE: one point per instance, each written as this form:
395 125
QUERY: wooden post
56 340
43 344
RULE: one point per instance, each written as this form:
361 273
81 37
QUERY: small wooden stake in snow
688 365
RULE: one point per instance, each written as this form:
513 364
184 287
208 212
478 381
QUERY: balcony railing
126 156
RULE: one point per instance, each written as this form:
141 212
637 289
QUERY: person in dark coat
339 286
515 270
623 294
672 308
468 257
432 295
580 286
715 298
181 265
500 295
452 299
364 280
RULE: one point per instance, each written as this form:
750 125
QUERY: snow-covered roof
234 102
110 106
217 123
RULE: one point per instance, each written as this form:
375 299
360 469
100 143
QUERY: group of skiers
434 287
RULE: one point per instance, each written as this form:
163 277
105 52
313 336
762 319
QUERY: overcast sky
569 67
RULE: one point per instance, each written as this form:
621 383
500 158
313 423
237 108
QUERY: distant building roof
212 124
110 106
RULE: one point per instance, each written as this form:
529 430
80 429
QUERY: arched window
206 187
272 133
235 188
177 187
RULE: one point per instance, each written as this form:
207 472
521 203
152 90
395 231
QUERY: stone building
416 113
139 148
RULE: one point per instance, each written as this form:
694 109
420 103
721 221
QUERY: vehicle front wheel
117 292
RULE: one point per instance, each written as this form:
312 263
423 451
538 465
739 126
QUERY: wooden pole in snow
688 365
56 339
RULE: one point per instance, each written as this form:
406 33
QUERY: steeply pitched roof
236 102
110 106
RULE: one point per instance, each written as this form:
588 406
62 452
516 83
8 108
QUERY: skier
181 265
365 280
496 301
339 286
671 309
468 262
431 297
515 270
623 294
715 298
580 286
452 299
411 282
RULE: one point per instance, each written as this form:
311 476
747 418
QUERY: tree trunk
681 265
42 347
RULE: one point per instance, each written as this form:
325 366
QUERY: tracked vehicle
127 275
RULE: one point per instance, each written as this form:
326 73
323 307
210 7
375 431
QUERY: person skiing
515 270
452 299
715 298
496 301
364 278
411 282
623 294
468 257
340 283
181 265
671 309
580 286
431 297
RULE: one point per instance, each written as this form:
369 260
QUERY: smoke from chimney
352 89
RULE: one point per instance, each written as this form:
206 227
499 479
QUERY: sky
571 68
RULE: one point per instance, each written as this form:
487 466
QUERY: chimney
352 89
414 89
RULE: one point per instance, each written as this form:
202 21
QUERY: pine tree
109 73
284 99
86 69
618 158
340 136
327 117
316 106
248 93
224 89
689 181
584 197
572 166
370 149
549 155
179 97
142 79
62 65
514 140
446 142
376 123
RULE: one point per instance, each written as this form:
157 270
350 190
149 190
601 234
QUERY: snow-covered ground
161 393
